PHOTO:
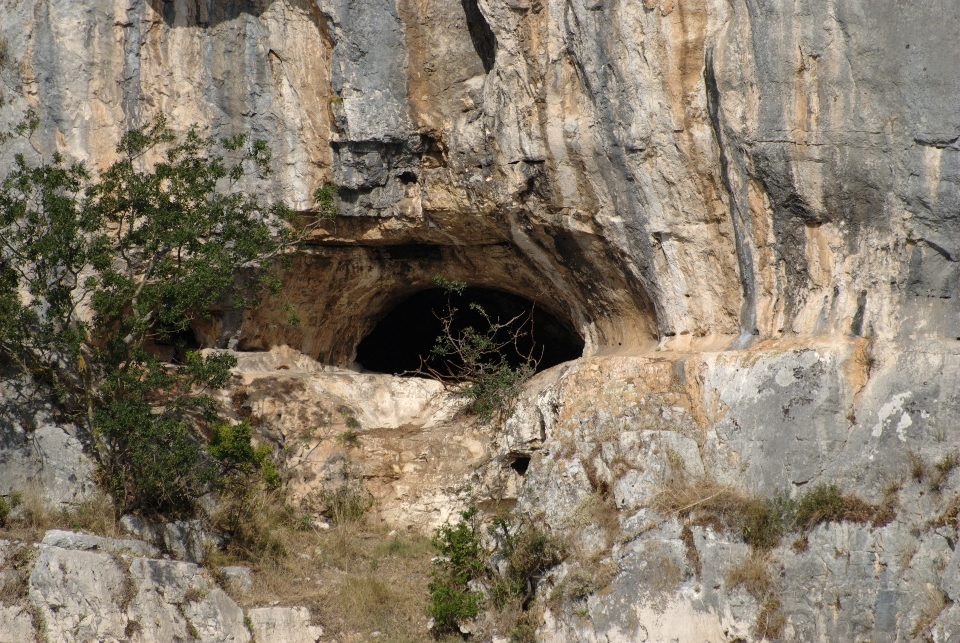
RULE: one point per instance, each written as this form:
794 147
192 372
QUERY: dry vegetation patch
25 516
356 577
753 575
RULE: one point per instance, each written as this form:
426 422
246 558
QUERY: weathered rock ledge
87 588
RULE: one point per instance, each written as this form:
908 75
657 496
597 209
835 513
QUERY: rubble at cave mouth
411 328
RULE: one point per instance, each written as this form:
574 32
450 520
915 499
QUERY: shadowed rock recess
737 222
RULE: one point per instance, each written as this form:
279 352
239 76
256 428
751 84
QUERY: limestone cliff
749 211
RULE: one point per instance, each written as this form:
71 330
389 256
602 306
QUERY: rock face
87 588
749 211
38 455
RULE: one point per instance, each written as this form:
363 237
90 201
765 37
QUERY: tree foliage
97 269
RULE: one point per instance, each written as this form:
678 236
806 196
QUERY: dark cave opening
484 42
410 330
520 464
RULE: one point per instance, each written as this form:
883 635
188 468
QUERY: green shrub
477 359
4 511
528 552
461 560
325 198
826 503
146 248
765 520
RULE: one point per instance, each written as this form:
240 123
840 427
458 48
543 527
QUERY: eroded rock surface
87 588
766 193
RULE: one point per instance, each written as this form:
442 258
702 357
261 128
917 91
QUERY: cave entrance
411 329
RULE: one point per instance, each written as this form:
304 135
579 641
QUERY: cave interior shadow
209 13
409 331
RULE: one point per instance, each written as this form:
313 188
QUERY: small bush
349 438
325 195
461 560
826 503
476 359
449 605
528 552
764 521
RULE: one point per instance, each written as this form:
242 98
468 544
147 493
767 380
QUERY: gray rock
48 460
238 578
87 542
173 599
16 625
79 595
186 539
137 526
283 625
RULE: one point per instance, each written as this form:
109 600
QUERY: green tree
95 269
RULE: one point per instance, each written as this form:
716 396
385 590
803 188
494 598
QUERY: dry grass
936 601
30 517
918 468
771 620
753 575
702 499
942 469
693 556
357 578
887 509
801 544
826 503
950 517
597 509
15 575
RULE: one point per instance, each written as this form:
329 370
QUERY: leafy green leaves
462 559
93 271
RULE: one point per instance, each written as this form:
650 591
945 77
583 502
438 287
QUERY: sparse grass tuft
942 469
887 509
771 620
345 504
918 468
950 517
801 544
936 601
15 582
29 516
693 556
753 575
